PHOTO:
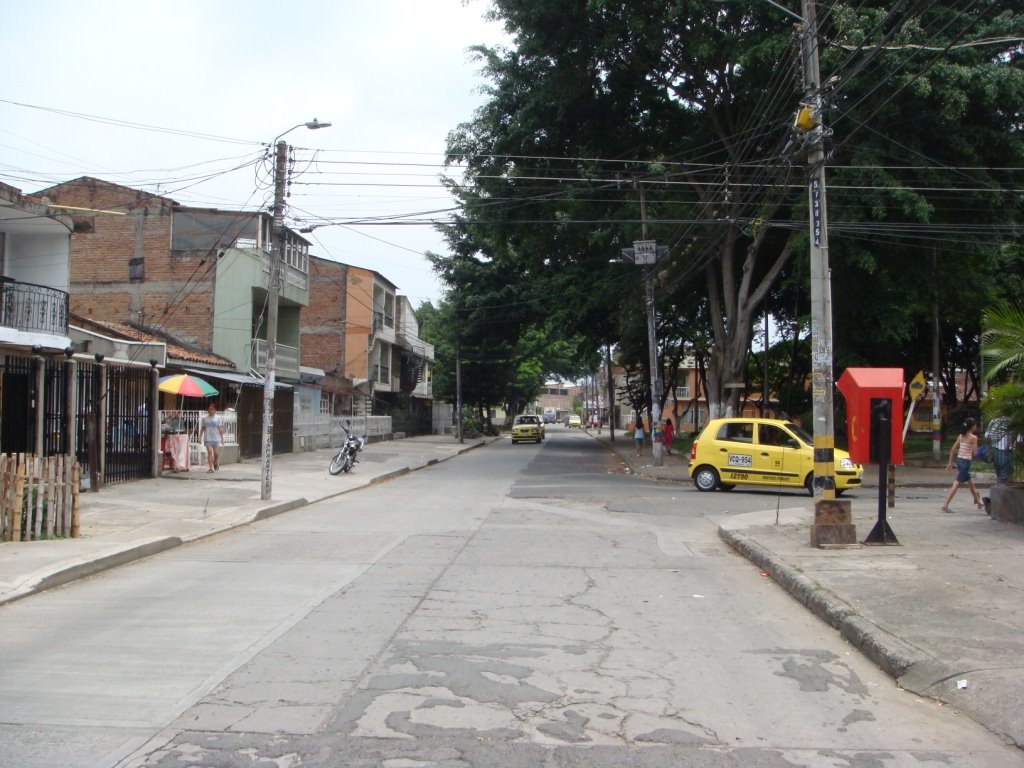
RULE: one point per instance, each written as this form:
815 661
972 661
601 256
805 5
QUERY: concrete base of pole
833 524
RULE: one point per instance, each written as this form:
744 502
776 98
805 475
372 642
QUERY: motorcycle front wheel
340 463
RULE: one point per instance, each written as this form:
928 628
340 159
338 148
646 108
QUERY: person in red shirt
668 435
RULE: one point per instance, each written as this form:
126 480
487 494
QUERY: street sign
917 386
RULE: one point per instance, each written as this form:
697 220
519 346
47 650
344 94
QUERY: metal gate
20 406
127 445
17 427
87 389
126 427
54 407
250 421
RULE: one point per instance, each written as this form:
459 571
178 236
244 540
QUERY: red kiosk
874 414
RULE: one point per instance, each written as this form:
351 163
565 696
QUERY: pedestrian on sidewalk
213 438
638 435
965 447
668 435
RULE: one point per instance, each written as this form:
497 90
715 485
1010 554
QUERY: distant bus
550 415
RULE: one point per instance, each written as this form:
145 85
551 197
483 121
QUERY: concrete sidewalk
942 612
122 523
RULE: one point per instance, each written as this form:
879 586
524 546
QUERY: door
776 462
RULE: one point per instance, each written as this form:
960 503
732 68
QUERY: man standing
999 437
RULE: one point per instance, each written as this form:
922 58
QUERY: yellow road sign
918 385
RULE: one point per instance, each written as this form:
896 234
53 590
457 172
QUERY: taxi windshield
803 436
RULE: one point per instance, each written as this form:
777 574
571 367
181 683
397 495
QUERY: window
682 393
136 270
737 432
769 434
195 230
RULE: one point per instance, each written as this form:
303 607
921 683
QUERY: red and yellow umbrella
184 385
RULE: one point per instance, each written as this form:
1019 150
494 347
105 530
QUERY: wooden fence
38 497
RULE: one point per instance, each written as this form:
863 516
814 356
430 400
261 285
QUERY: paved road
520 605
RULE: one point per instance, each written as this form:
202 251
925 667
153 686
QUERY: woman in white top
213 437
965 447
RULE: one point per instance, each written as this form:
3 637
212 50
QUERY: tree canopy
608 122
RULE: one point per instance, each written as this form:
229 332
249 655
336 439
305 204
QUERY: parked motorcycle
346 458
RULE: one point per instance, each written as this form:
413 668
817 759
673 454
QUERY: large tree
689 106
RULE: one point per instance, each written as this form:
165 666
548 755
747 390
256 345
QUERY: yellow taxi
527 427
761 452
574 421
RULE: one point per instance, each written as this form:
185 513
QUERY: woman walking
638 435
965 447
213 437
668 435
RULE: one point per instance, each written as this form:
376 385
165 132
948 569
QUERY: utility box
874 406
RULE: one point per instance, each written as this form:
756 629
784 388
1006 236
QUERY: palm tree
1002 347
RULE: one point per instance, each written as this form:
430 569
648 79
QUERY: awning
236 378
310 375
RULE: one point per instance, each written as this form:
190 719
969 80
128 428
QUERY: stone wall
1006 503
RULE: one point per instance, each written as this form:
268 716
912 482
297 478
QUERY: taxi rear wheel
705 478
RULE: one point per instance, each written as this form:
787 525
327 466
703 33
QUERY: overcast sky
392 76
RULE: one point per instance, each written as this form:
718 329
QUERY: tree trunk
733 301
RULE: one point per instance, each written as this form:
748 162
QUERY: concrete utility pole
936 389
277 253
646 253
652 343
821 291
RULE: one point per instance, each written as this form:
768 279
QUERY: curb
890 654
138 552
92 567
276 509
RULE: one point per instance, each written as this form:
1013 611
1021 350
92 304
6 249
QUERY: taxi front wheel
705 478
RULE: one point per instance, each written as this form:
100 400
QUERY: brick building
198 275
323 333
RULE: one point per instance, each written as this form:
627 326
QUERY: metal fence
314 431
191 423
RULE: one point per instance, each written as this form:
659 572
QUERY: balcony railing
30 307
286 361
294 268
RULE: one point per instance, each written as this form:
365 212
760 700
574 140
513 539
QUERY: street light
276 254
